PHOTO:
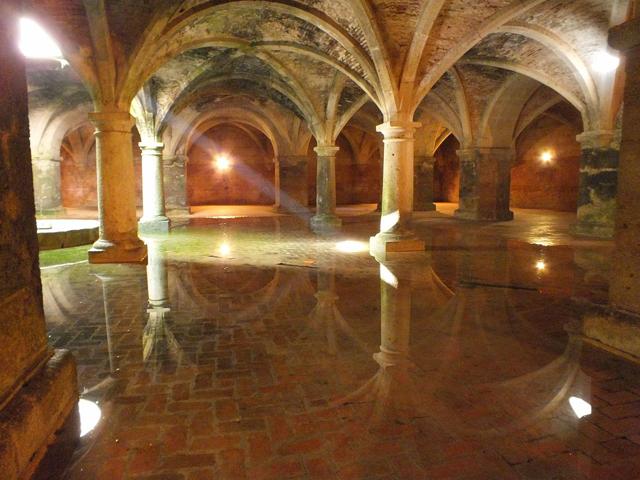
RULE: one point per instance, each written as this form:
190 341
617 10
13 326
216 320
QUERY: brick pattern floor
265 359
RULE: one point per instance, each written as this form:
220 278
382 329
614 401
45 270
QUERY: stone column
154 219
293 192
485 184
38 386
598 185
157 281
118 242
625 284
423 184
175 184
397 191
47 185
325 219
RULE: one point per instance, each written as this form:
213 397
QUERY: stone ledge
28 424
612 330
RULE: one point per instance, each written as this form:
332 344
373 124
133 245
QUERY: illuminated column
485 184
325 219
423 184
625 284
175 183
154 219
47 185
292 190
598 184
118 242
397 191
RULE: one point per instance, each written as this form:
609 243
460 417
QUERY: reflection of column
423 184
157 281
598 185
293 191
397 190
485 184
175 183
47 185
118 242
625 285
326 317
38 385
154 219
325 219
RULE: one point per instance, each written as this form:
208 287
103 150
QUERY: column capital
626 36
596 139
327 150
112 121
154 148
398 130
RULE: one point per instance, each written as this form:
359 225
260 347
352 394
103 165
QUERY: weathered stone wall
250 181
552 186
78 169
446 172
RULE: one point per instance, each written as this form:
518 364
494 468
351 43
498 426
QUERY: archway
446 172
231 164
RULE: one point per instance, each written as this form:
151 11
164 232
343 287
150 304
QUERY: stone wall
552 186
446 172
250 180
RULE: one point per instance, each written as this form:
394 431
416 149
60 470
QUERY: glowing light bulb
223 163
34 42
580 407
546 157
541 266
604 62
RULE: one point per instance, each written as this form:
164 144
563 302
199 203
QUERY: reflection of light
546 157
387 277
542 241
580 407
90 415
223 163
389 221
34 42
604 62
541 266
225 249
351 246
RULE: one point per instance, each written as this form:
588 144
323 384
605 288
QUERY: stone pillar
625 284
397 191
293 192
485 184
325 219
157 281
118 242
38 386
175 183
154 219
598 185
47 185
423 184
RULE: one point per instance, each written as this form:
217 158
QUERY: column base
594 230
107 252
31 421
324 224
385 243
479 217
154 225
50 212
613 330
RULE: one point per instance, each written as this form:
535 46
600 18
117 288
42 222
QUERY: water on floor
250 348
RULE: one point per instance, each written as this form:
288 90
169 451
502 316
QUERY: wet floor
249 348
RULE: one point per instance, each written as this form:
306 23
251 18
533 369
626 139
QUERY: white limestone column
118 242
325 219
397 191
154 219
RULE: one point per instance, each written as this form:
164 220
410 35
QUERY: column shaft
423 184
325 219
154 219
598 185
118 242
47 185
175 183
293 191
485 184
